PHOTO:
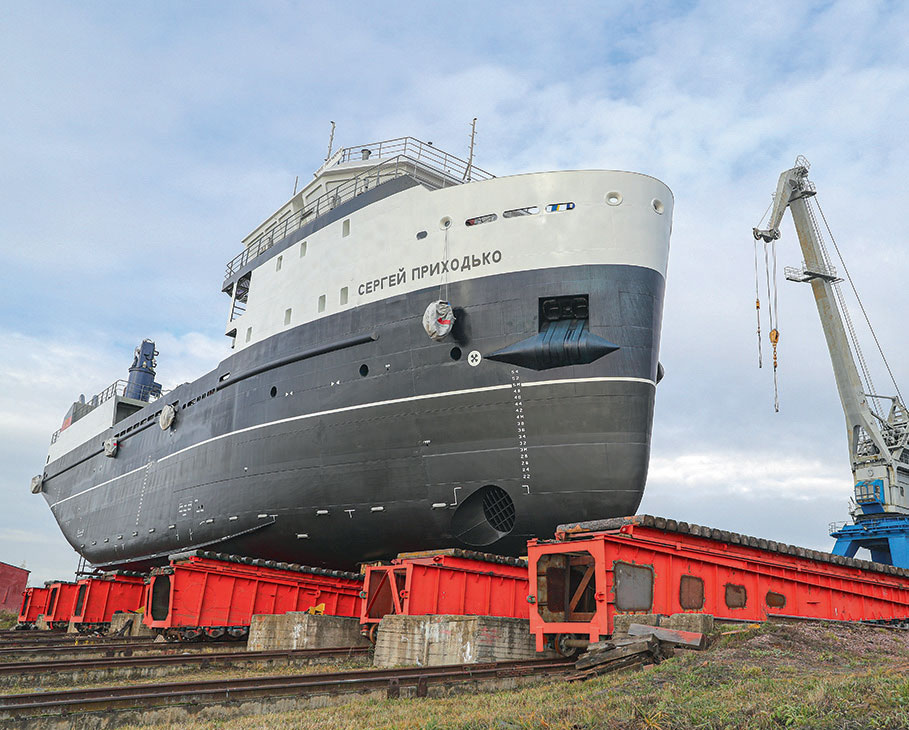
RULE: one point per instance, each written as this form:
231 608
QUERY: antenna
473 136
296 182
331 139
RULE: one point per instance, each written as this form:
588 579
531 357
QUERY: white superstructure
430 235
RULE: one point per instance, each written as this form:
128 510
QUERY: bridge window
302 249
488 218
287 313
322 303
557 207
343 297
518 212
278 262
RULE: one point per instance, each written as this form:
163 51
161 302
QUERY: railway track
44 709
41 638
123 648
43 673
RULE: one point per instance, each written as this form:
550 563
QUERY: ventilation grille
498 508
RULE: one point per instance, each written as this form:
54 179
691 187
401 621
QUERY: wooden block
630 662
688 639
648 646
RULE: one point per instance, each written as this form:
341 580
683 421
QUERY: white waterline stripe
102 484
345 409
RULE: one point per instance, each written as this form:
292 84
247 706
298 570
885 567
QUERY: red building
12 585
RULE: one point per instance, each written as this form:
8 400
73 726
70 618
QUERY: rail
86 670
237 690
404 156
423 152
118 387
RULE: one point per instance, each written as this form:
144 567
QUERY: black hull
297 456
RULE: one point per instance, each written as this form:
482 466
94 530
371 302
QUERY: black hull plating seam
580 478
229 381
354 458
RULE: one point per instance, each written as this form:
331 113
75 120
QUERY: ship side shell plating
339 432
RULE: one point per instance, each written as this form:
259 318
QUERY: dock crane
878 443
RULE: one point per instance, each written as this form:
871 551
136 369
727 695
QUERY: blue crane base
886 538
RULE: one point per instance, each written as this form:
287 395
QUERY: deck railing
118 387
405 156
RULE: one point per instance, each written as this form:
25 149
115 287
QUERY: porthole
613 198
445 223
657 206
421 235
364 370
455 353
273 392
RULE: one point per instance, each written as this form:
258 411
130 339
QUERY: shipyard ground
809 675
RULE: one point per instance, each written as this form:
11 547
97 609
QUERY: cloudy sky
139 142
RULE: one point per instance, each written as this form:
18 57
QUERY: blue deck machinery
141 384
878 435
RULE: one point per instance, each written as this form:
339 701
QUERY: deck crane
878 443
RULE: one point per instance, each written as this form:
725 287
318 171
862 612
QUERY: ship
421 355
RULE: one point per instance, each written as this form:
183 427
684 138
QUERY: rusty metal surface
575 530
208 658
467 555
257 562
211 692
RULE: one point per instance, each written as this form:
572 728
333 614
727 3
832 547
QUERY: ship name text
462 263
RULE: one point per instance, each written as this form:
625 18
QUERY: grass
8 619
768 677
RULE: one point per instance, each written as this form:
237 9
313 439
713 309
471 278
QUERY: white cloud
139 147
770 475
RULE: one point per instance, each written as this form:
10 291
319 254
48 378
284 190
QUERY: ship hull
356 437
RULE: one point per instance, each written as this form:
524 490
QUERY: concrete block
300 630
701 623
438 640
121 618
621 622
71 628
41 624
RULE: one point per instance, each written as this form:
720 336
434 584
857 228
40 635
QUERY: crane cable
757 304
757 289
773 315
861 305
